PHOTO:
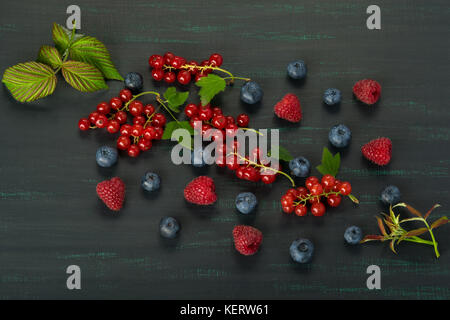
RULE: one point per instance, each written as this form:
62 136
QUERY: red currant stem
125 107
167 109
92 127
203 68
310 196
263 166
250 129
233 78
149 118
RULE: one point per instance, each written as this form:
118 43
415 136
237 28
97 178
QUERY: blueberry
353 235
297 69
168 227
332 96
340 136
251 92
134 82
300 167
106 156
390 195
150 181
301 250
246 202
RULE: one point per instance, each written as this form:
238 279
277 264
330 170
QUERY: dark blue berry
169 227
251 92
301 250
390 195
246 202
332 96
150 181
300 167
353 235
106 156
297 69
340 136
134 82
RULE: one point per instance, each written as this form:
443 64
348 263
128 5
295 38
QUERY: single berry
251 92
289 108
205 113
378 151
125 95
297 69
332 96
125 129
390 195
158 120
168 227
300 167
93 117
150 181
113 126
121 117
123 142
137 130
247 239
133 151
367 91
219 122
190 110
134 82
103 108
184 77
215 60
328 181
136 108
310 181
340 136
168 57
316 189
106 156
301 210
149 109
177 62
246 202
158 74
169 77
84 124
301 250
318 209
115 103
112 193
345 188
156 61
101 121
144 144
242 120
353 235
201 191
334 200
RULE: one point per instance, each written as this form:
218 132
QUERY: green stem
167 109
239 78
432 238
419 240
140 95
250 129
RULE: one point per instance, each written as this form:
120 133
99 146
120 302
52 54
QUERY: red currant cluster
147 123
331 189
171 67
216 126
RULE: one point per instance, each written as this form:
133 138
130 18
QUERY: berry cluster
216 126
146 123
329 188
170 67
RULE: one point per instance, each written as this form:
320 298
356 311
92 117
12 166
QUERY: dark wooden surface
50 216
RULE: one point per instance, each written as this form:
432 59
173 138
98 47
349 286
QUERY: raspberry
378 151
112 193
367 91
289 108
201 191
247 239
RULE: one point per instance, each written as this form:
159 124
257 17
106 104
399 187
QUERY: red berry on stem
137 130
184 77
139 120
133 151
215 60
121 117
113 126
345 188
149 133
125 95
115 103
205 113
328 181
93 117
192 70
242 120
190 110
156 61
268 178
219 122
316 189
334 200
318 209
178 62
144 144
125 130
102 121
301 210
84 124
288 208
217 111
169 77
158 133
287 200
302 192
230 119
123 143
158 74
103 108
310 181
158 120
168 57
136 108
149 109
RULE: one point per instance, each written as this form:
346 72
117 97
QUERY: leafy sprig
330 163
84 62
395 232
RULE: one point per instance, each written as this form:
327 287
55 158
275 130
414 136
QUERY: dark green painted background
50 216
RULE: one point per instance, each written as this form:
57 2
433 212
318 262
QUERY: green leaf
60 37
173 125
209 87
50 55
92 51
29 81
439 222
83 76
175 98
330 164
283 154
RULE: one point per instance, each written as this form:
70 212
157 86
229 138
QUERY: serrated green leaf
83 76
175 98
330 164
50 55
283 154
60 37
93 51
29 81
209 87
173 125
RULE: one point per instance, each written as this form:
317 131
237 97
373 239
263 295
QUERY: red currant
192 70
125 130
139 120
144 144
168 57
345 188
240 172
149 133
184 77
219 122
190 110
158 120
293 192
123 143
302 192
215 60
156 61
334 200
318 209
103 108
177 62
287 200
301 210
102 121
169 77
242 120
158 133
288 208
93 117
310 181
115 103
336 185
328 181
198 76
125 95
268 178
232 162
133 151
121 117
205 113
84 124
113 126
316 189
158 74
231 129
136 108
230 120
149 109
137 130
